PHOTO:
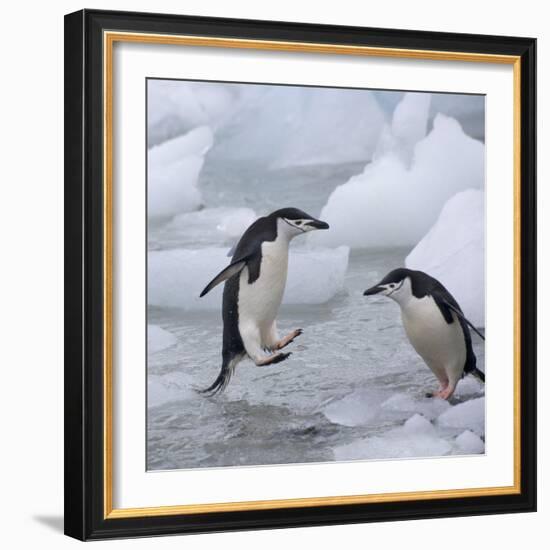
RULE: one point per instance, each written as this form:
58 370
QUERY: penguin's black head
300 221
395 284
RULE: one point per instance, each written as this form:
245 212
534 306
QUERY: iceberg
409 125
453 251
176 277
176 107
206 227
173 171
392 204
302 126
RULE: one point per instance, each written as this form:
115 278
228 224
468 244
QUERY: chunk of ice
468 415
173 171
395 443
430 408
176 277
469 443
207 227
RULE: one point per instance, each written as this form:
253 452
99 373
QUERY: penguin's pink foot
288 339
439 393
447 392
272 359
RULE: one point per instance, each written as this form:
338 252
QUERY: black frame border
84 406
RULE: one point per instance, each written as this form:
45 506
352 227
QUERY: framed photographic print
300 274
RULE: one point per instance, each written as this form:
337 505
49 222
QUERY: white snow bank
390 204
176 277
469 443
453 251
283 126
207 227
173 171
468 415
158 339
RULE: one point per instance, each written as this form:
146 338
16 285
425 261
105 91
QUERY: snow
469 443
176 277
173 171
391 204
158 339
468 415
453 251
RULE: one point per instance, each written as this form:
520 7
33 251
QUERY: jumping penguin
254 284
435 326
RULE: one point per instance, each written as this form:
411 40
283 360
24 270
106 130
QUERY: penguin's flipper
229 271
446 307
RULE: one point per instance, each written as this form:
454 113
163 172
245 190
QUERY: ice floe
469 443
416 438
202 228
302 126
176 277
173 171
175 107
468 415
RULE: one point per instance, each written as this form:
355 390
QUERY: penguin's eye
392 285
299 222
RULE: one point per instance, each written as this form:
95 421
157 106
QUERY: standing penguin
254 285
435 326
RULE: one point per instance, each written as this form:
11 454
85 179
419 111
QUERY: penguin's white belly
259 302
439 343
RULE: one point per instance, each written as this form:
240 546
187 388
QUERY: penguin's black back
232 341
423 285
427 285
249 248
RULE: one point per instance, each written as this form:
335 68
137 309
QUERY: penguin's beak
318 224
373 290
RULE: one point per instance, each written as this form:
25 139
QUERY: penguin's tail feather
228 367
480 375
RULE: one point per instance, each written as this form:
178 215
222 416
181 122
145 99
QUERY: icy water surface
352 389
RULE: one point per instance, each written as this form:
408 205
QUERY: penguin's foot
443 393
272 359
447 392
289 338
